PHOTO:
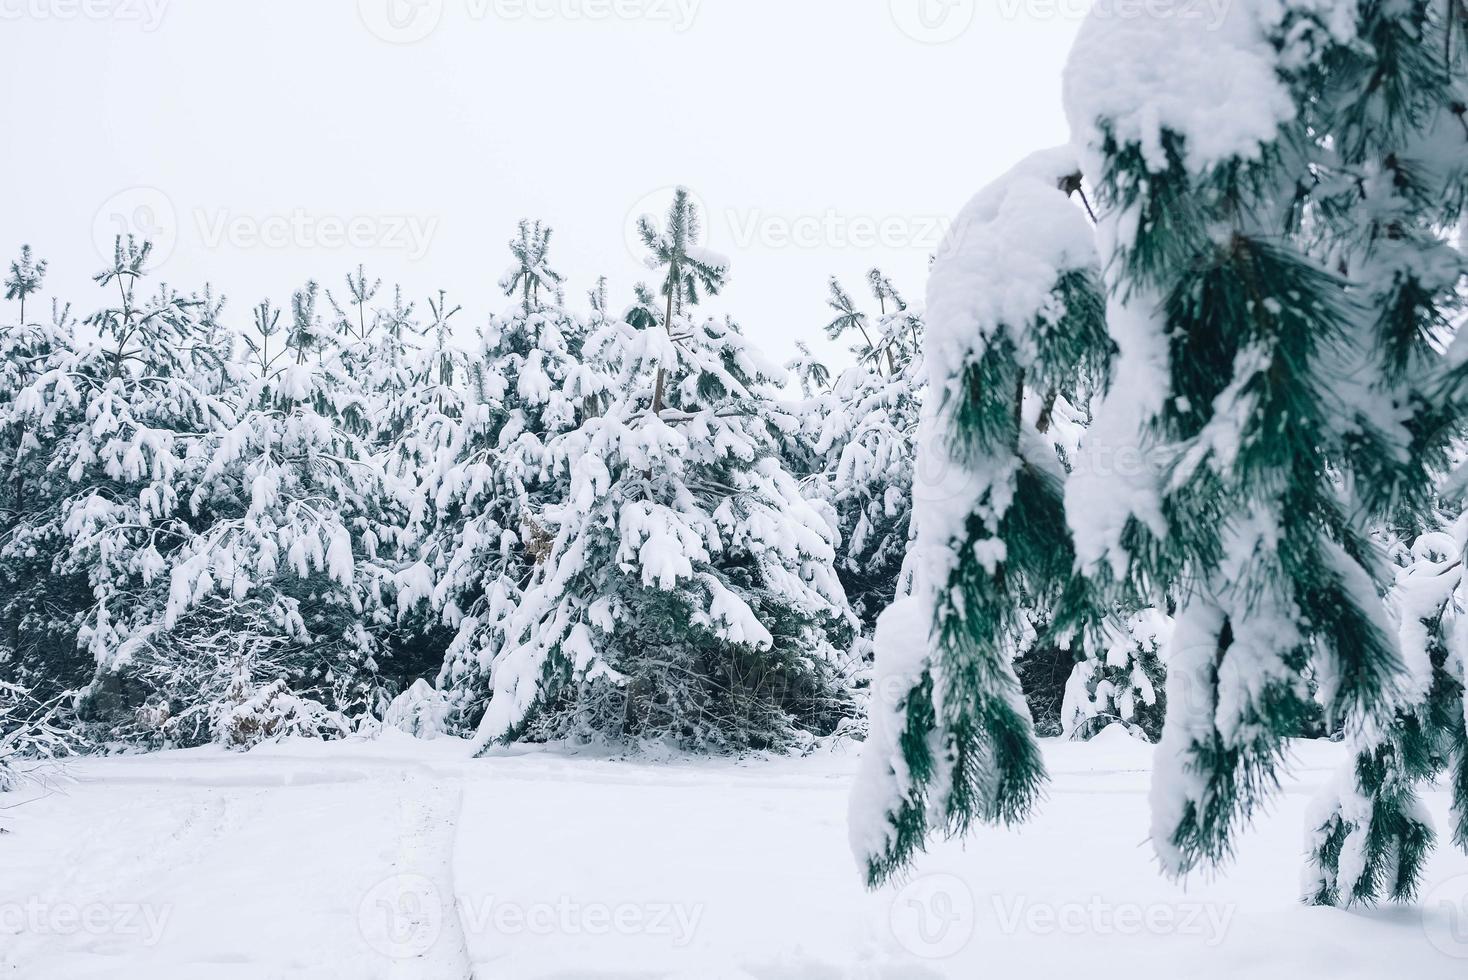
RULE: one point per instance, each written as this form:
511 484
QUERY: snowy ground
401 859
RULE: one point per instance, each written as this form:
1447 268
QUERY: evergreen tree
1277 278
352 324
1120 679
27 643
495 475
531 274
116 428
857 443
298 529
1013 306
410 376
686 266
26 275
687 592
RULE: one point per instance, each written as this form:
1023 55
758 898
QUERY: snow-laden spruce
487 475
1277 281
854 451
1120 679
688 591
1014 308
36 642
1368 832
113 435
296 554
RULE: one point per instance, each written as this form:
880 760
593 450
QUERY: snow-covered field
402 859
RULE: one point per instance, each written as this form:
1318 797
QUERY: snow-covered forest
1165 463
330 515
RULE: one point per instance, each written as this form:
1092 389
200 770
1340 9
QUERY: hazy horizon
266 143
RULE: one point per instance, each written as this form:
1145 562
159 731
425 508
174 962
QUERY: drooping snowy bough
1013 307
1281 286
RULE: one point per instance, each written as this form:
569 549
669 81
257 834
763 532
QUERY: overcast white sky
252 137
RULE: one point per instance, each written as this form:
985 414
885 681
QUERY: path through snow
403 860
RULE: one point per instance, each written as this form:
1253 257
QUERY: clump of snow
1001 259
1213 81
1421 591
421 711
1176 782
997 269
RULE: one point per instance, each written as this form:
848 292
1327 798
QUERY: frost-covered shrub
186 681
253 715
422 711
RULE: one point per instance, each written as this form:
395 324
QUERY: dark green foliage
1392 846
1397 843
909 822
1043 672
693 690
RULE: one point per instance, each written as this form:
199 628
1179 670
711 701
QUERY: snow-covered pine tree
26 352
298 532
858 440
493 475
414 378
685 266
1014 305
1369 830
117 427
352 321
1120 678
375 353
1276 278
689 591
531 274
412 381
25 278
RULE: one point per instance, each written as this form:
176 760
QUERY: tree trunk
657 395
